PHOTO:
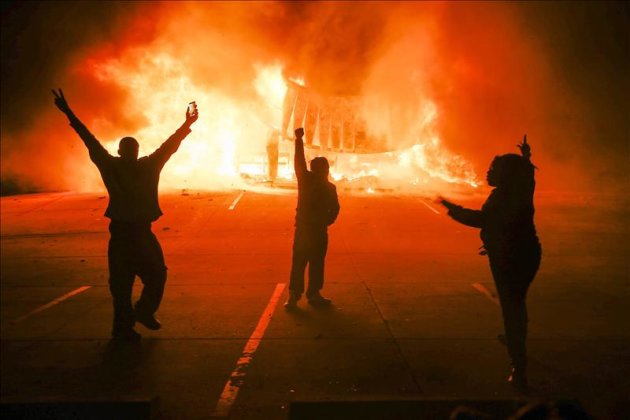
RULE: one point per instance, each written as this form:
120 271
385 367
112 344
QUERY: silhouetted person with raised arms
509 239
132 185
317 208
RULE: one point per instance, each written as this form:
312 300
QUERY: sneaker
127 334
291 303
148 320
318 300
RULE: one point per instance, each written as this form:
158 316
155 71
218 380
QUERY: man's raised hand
299 133
443 201
60 100
192 114
526 151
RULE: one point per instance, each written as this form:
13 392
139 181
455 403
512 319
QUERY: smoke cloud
487 72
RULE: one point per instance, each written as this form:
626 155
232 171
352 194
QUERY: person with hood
317 208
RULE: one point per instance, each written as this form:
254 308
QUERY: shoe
148 320
318 300
291 303
518 379
127 334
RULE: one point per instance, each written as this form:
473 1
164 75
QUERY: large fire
227 147
227 129
404 96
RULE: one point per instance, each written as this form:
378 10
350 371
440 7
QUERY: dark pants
309 247
512 279
134 250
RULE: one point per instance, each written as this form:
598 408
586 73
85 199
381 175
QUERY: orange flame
228 141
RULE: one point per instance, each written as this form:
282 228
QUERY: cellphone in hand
192 108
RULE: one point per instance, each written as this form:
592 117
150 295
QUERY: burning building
336 128
330 123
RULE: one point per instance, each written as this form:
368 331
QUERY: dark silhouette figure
134 250
317 208
272 156
509 239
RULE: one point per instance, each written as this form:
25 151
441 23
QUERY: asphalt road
414 315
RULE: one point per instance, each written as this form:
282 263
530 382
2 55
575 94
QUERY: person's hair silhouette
132 184
317 208
128 148
320 167
509 239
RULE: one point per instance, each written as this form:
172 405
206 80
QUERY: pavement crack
385 322
392 337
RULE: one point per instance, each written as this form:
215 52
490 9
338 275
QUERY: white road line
236 200
52 303
429 207
237 377
487 293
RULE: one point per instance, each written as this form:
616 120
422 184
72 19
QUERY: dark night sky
579 111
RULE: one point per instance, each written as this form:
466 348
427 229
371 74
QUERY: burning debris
331 123
335 128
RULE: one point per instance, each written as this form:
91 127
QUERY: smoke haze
489 72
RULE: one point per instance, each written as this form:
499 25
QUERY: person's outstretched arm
97 152
468 217
170 146
299 160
